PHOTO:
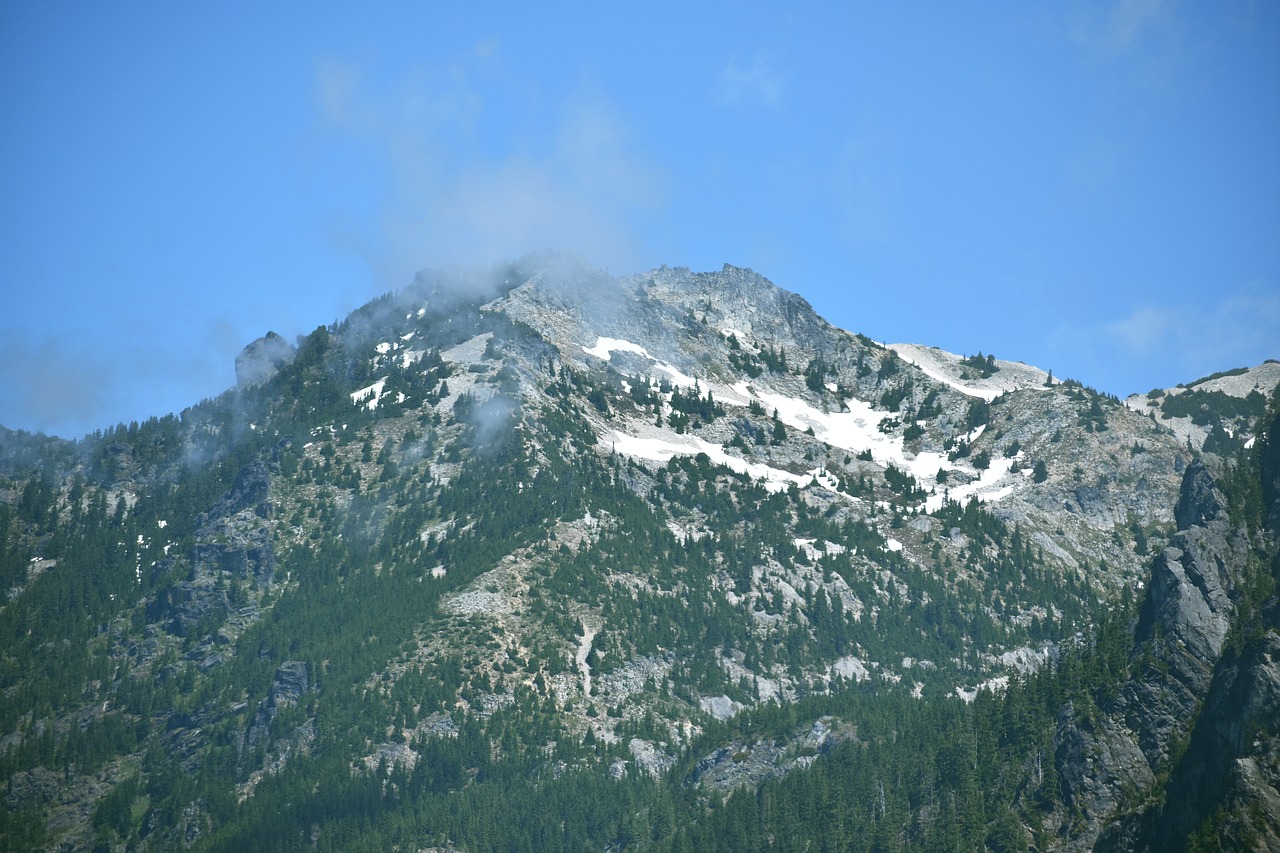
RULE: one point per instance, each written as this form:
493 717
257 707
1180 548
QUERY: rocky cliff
1187 755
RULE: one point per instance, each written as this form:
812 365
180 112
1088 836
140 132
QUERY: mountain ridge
542 523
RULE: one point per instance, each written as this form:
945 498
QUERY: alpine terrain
537 558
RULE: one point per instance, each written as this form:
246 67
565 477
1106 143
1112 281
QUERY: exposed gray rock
287 688
1110 759
1199 501
1188 608
232 536
290 683
1097 760
249 491
263 358
740 764
1232 763
186 605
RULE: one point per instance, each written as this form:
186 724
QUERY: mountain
538 558
1216 413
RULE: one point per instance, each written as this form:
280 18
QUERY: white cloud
1129 18
1178 342
754 82
1231 332
1145 330
71 384
565 179
1123 24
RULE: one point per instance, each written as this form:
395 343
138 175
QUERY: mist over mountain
536 557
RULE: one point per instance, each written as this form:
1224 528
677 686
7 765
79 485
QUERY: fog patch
580 185
263 358
493 421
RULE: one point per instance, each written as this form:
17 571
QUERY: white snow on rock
606 347
370 395
993 485
855 430
809 547
945 367
663 446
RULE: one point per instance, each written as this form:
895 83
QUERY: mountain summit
539 558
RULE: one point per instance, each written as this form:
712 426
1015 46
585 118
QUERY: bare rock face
287 688
1232 758
740 764
1193 733
1188 606
233 536
1224 790
261 359
233 539
1105 758
1098 758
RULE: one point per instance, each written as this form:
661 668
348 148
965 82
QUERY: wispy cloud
755 82
1130 18
67 386
1180 341
57 390
1123 24
1227 333
578 187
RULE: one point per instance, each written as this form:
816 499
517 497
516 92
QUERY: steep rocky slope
1184 756
539 523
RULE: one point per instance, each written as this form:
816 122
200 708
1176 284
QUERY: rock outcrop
263 358
1108 759
287 688
232 539
1188 751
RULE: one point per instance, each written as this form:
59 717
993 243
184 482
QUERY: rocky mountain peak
263 358
535 531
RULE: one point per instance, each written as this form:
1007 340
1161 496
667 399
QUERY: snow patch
605 347
855 430
370 395
945 367
987 488
661 448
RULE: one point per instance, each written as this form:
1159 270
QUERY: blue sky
1093 188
